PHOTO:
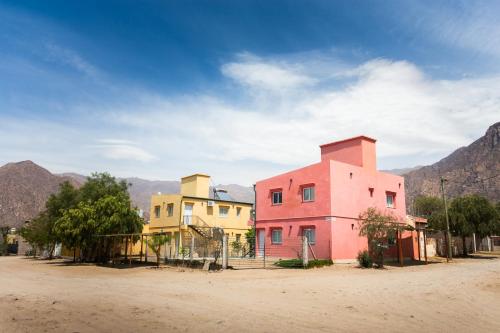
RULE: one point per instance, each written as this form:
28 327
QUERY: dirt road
38 296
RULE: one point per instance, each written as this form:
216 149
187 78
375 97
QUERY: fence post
305 252
474 242
224 252
191 251
264 249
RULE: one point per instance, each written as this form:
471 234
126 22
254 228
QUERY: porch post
400 248
224 252
146 254
126 247
142 244
419 248
191 251
425 246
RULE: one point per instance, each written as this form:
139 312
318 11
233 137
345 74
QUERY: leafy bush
297 263
364 259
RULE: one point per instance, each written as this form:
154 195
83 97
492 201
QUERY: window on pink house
276 236
277 197
390 199
308 193
310 233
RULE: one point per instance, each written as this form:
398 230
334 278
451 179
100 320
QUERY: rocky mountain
25 187
141 190
402 171
474 169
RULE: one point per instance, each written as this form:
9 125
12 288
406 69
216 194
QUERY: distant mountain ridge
25 187
474 169
141 190
402 171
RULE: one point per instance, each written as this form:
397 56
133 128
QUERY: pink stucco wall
342 182
292 237
291 184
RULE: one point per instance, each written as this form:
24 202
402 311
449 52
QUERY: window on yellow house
223 211
238 211
170 209
157 211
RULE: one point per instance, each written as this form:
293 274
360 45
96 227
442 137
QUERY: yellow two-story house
195 209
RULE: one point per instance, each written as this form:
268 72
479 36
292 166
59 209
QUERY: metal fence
212 245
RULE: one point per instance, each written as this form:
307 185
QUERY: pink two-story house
324 201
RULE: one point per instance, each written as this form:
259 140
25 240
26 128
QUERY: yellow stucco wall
162 201
209 214
196 185
195 192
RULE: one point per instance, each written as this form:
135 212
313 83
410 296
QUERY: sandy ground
38 296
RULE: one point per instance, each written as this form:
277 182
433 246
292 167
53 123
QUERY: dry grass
38 296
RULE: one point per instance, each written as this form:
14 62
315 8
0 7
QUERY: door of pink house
261 241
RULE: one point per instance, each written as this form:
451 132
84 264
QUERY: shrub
364 259
297 263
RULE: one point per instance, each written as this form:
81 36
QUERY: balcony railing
187 219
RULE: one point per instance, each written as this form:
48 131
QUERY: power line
475 181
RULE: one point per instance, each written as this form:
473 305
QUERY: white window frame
280 197
311 194
393 199
278 232
227 211
309 232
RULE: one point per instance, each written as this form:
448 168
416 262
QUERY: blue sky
241 90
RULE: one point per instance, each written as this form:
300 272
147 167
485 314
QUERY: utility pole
448 235
254 213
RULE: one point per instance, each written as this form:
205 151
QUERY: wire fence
210 245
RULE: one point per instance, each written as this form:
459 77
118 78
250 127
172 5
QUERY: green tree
432 208
40 232
426 206
478 212
250 237
155 242
76 228
104 207
4 231
377 227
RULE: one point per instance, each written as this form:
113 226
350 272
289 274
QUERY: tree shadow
411 263
118 265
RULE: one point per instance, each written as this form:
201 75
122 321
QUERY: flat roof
359 137
196 174
219 200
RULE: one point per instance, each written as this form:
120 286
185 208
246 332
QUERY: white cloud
393 101
70 58
259 74
467 25
118 149
415 118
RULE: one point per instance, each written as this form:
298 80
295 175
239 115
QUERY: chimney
359 151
